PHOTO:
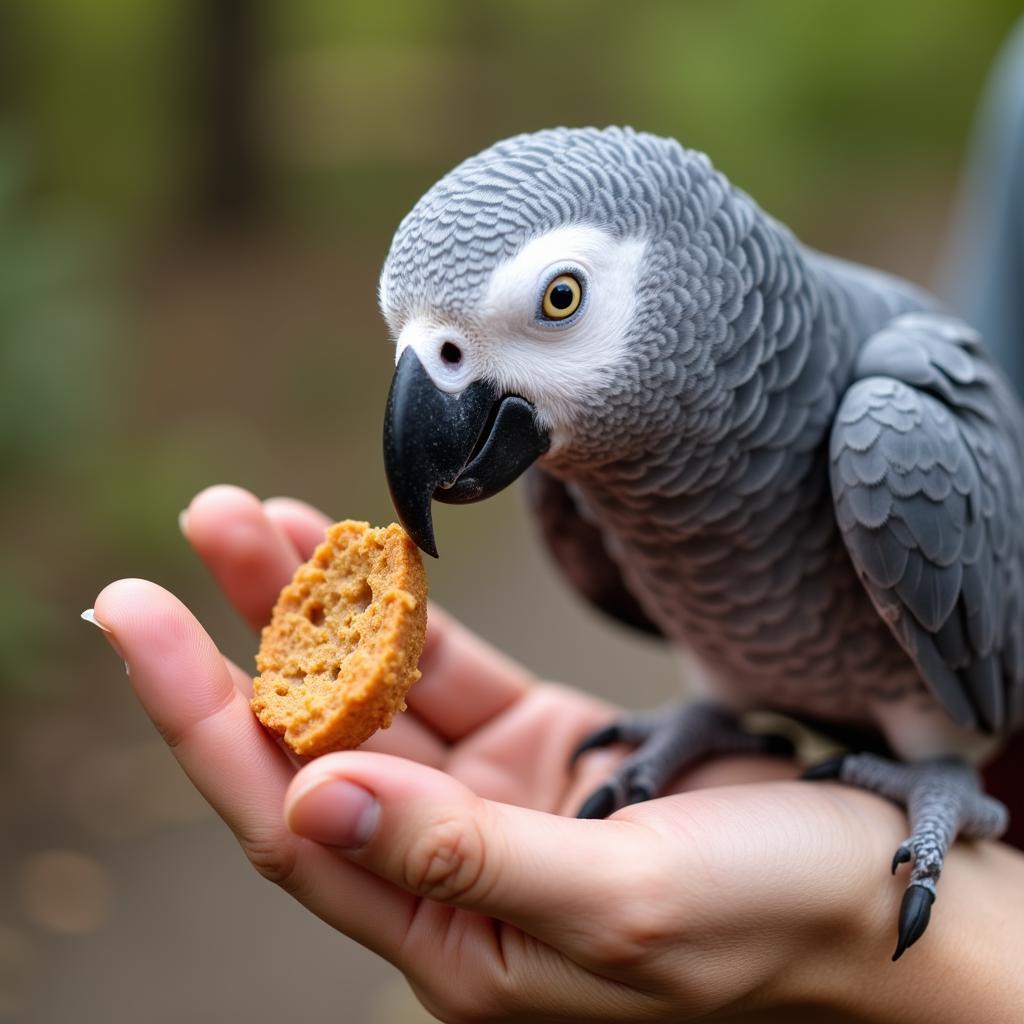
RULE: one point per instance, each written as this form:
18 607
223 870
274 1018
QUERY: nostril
451 353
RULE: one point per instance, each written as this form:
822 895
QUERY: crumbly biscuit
344 640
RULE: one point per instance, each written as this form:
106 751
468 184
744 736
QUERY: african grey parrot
799 469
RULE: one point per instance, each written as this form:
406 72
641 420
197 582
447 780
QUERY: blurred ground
195 200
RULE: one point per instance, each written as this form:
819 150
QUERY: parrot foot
943 799
667 741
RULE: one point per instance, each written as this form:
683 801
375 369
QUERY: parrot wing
579 549
927 479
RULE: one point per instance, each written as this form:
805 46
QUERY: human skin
446 844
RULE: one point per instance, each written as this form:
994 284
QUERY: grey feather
800 459
581 553
926 440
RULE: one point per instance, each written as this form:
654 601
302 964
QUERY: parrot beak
455 448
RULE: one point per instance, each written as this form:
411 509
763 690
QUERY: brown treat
344 640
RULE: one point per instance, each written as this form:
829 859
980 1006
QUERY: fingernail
183 522
336 813
90 616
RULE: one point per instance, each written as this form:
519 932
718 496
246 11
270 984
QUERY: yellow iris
562 297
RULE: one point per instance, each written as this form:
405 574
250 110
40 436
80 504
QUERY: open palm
474 881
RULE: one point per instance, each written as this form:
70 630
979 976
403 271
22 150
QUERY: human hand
440 844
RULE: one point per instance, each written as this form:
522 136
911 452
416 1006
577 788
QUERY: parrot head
528 295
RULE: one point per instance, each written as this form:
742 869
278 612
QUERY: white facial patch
432 342
552 364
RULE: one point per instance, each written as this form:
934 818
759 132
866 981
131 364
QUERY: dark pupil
561 296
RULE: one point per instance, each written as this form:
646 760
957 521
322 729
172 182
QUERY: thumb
430 835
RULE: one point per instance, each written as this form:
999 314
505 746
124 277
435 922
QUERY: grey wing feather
579 549
927 478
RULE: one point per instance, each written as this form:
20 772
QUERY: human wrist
843 937
965 968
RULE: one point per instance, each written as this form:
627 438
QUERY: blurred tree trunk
230 58
10 61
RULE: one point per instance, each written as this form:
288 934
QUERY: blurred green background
196 197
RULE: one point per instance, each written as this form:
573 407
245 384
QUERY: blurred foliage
196 197
54 325
96 85
56 321
363 103
338 114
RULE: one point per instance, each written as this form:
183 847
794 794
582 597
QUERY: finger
430 835
241 679
465 682
302 524
521 756
247 554
251 550
736 770
186 688
406 737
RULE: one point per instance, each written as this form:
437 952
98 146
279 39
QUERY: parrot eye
562 297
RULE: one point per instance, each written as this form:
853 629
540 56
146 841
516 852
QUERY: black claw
830 769
777 745
638 792
599 804
602 738
901 856
915 910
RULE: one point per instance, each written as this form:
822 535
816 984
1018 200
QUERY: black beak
456 448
